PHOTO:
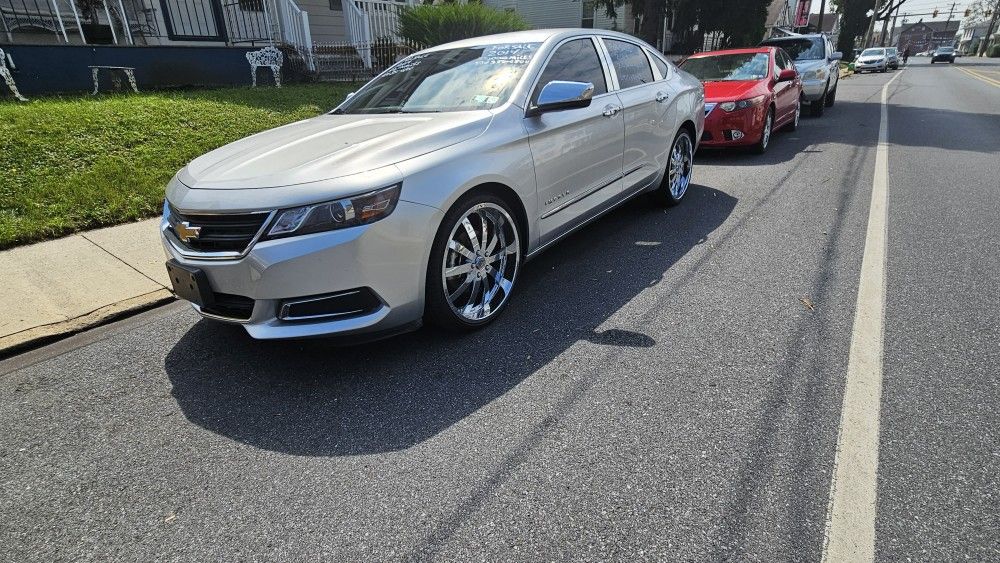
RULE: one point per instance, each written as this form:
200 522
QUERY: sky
922 6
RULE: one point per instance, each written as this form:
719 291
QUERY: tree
740 24
854 21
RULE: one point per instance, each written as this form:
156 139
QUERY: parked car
749 93
943 54
892 57
422 195
819 65
872 60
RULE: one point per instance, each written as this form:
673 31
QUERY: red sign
802 13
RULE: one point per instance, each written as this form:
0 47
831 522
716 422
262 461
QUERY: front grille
218 233
229 306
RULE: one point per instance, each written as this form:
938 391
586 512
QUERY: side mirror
560 95
787 75
837 56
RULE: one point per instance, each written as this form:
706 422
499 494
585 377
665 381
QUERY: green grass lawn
74 163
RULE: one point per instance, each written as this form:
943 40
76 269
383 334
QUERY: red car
749 93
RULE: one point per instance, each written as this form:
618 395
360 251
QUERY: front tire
680 166
831 98
816 107
475 260
765 133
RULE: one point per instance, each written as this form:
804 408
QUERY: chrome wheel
765 136
798 112
481 261
681 166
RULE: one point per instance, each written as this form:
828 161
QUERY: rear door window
631 64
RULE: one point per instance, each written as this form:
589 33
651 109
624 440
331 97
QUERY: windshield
873 53
471 78
800 49
946 49
721 68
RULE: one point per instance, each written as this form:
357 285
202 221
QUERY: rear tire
680 166
794 125
469 281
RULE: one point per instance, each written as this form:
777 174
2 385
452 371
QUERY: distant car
892 56
749 93
819 64
943 54
875 59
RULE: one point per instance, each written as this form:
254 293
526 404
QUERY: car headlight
742 104
340 214
814 74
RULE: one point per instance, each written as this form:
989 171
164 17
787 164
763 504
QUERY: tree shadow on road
311 398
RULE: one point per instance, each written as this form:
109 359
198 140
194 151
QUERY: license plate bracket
190 284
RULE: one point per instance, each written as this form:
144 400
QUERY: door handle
662 97
611 110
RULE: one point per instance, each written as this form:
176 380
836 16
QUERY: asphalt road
667 385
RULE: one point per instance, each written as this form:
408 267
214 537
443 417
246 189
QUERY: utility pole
822 12
871 26
990 29
893 31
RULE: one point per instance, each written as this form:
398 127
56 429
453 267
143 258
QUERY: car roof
793 38
741 51
535 36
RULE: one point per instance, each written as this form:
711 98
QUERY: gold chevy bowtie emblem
187 233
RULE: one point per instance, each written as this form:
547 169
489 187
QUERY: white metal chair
8 77
270 57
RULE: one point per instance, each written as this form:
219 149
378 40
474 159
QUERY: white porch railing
294 30
369 21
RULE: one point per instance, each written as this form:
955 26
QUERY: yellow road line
982 77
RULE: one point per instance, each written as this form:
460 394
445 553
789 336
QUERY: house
971 36
831 25
926 36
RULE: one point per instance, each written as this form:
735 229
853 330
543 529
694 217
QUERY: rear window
800 49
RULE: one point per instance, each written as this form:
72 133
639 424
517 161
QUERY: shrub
434 25
994 51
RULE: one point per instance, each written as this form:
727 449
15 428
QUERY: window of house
588 14
630 62
251 5
575 61
337 5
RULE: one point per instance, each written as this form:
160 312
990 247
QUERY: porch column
62 28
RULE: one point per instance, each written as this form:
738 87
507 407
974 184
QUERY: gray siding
326 25
543 14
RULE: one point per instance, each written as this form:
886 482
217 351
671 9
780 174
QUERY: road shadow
313 399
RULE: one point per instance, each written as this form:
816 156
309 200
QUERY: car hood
731 90
327 147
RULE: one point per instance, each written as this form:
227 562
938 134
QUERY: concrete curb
17 343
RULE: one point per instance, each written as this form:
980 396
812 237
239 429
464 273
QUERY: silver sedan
422 195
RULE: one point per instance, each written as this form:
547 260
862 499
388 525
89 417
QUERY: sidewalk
63 286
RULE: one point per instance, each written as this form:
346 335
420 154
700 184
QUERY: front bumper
388 257
813 89
866 67
942 59
720 125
